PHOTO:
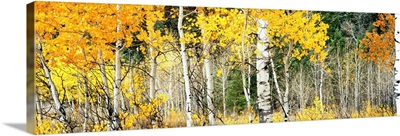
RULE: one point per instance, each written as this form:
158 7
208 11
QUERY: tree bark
347 87
243 71
223 91
225 73
106 91
185 70
369 85
397 64
263 87
86 90
170 100
210 88
357 82
53 89
276 82
117 85
288 55
379 85
302 104
153 68
279 91
320 85
340 80
249 70
38 104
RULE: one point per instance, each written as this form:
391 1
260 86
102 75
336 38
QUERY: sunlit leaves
302 29
73 34
48 127
316 112
378 45
219 72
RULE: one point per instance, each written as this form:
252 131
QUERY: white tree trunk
105 89
340 80
210 87
153 68
379 85
170 100
320 84
369 84
243 72
263 87
53 89
301 88
347 87
224 86
223 95
117 85
276 82
249 70
397 63
86 90
357 82
86 110
278 88
122 99
38 104
287 78
185 70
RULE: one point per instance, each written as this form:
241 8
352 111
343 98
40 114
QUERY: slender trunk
315 78
263 87
278 88
397 64
53 89
287 80
170 100
185 70
86 90
86 110
153 68
204 92
243 72
379 85
105 89
320 85
121 96
356 83
249 70
340 80
210 88
225 73
38 105
79 94
223 91
99 111
208 75
346 100
369 86
276 82
117 85
71 102
301 88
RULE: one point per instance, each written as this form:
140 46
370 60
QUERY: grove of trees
107 67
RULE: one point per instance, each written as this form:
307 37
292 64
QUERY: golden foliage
378 47
373 111
48 127
316 112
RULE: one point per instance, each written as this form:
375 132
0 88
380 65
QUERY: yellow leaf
153 54
219 72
